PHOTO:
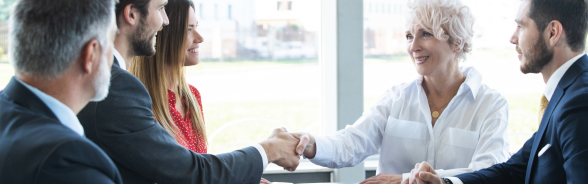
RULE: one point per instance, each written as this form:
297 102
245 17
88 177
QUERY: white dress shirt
557 75
63 113
469 135
120 59
549 90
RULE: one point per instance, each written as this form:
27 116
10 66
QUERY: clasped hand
423 173
284 149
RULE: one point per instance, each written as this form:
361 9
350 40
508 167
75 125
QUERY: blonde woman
446 116
176 104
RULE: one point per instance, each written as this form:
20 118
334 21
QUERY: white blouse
469 135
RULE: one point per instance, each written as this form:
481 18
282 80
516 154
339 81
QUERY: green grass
257 121
523 118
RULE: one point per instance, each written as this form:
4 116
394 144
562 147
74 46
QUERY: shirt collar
63 113
557 75
473 81
120 59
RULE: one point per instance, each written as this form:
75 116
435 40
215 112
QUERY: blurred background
260 64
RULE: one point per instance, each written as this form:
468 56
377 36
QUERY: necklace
435 113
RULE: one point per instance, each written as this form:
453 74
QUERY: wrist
310 150
446 181
268 146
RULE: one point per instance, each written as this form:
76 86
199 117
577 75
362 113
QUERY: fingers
366 181
429 177
304 140
289 163
264 181
277 131
413 177
405 181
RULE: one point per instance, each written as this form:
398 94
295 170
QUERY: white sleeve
455 180
263 155
350 146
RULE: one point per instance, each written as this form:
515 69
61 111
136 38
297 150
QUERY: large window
260 69
6 71
387 63
260 66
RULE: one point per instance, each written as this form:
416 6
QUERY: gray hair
47 36
449 20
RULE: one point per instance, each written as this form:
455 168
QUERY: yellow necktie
544 103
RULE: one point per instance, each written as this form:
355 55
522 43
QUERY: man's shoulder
122 78
127 108
28 139
577 91
125 87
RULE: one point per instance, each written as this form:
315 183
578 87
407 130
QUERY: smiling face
192 40
143 40
429 55
530 44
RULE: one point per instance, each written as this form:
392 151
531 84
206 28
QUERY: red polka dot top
186 135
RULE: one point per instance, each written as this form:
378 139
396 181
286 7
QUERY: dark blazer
564 126
124 127
36 148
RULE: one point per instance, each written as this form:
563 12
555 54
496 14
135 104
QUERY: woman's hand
306 146
423 173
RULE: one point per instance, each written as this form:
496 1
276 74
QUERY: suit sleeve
571 130
125 129
512 171
77 161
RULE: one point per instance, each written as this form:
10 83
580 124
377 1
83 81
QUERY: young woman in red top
176 104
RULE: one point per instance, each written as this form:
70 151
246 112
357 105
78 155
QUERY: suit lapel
544 123
26 98
571 74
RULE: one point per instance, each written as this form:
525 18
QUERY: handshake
285 149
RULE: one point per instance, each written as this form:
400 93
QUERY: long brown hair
169 57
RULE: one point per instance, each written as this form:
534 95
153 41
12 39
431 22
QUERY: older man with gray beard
60 51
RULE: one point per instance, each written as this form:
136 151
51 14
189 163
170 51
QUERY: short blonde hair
447 20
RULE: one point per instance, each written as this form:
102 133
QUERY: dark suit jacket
564 126
124 127
36 148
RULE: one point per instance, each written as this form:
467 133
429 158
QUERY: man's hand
264 181
307 145
383 178
423 173
280 148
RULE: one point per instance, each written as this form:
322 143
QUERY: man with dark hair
124 127
550 39
60 50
